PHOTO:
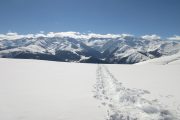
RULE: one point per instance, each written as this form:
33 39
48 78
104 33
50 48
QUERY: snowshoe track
128 104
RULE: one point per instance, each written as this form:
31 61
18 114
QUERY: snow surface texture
129 104
44 90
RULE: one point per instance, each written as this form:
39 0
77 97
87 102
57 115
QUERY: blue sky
138 17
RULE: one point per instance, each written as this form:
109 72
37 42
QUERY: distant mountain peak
96 48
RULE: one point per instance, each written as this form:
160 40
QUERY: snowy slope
35 90
172 59
41 90
151 92
132 49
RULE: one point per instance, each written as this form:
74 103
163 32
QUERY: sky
137 17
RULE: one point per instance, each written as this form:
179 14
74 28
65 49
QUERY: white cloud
10 36
71 34
93 35
29 36
175 37
14 36
126 35
151 37
64 34
77 35
39 35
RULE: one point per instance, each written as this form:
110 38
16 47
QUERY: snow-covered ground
45 90
172 59
42 90
150 90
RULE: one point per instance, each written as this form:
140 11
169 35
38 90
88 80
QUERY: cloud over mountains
78 35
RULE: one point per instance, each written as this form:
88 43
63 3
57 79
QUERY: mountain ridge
95 48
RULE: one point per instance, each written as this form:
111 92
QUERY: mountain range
120 49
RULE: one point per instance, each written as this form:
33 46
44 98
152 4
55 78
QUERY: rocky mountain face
119 50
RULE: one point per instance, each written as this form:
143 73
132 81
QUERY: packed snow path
128 104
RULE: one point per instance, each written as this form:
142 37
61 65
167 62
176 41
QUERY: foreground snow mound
173 59
129 104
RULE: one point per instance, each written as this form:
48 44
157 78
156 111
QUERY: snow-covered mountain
57 49
91 48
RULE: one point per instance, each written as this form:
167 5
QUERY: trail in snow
129 104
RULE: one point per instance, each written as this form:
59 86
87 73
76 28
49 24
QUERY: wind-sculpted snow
129 104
